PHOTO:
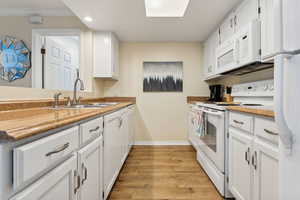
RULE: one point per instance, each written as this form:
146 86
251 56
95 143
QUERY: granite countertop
257 110
23 123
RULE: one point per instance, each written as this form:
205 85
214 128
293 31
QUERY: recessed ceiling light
88 19
166 8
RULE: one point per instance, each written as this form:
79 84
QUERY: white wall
20 27
161 116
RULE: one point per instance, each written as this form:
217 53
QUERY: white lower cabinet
239 165
266 182
90 164
253 161
58 184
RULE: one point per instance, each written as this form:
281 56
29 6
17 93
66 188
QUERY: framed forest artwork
163 77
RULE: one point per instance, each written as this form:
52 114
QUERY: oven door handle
217 113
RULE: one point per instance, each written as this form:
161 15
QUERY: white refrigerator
287 95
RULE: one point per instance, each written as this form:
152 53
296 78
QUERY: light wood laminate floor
163 173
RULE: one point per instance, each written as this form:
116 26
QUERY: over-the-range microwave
240 50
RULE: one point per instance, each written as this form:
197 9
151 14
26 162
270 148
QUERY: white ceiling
127 18
29 7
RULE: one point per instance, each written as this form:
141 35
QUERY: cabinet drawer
91 130
32 159
266 128
241 121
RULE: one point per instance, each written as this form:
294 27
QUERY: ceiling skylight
166 8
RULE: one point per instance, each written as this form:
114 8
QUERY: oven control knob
271 87
265 87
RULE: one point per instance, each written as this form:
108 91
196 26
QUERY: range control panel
255 89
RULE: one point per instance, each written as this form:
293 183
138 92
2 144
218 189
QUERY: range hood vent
253 67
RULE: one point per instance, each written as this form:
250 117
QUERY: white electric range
209 127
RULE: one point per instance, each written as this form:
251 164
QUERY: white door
90 163
267 28
112 152
53 65
58 184
239 165
227 28
245 13
265 165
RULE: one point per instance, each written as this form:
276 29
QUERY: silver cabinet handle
238 122
120 122
85 174
95 129
270 132
254 160
247 155
77 181
59 149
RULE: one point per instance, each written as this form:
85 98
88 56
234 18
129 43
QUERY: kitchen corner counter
23 123
256 111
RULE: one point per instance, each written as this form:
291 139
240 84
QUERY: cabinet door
267 29
214 42
115 56
112 150
125 136
90 163
239 164
57 184
265 165
131 116
227 28
246 12
206 58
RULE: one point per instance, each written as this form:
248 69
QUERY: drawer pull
238 122
270 132
95 129
59 149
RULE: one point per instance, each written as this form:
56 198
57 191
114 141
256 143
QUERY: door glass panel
210 138
226 59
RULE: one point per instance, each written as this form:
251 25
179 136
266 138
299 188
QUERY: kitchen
82 85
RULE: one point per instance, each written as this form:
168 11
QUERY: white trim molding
162 143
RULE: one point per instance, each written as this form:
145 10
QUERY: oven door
212 143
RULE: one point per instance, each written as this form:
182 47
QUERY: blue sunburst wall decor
15 60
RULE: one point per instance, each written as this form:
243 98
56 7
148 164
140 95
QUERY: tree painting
163 77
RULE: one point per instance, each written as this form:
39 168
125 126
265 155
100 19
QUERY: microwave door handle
236 50
285 133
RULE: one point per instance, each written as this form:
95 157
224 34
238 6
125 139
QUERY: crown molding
29 12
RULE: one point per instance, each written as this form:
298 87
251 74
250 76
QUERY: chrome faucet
76 100
56 99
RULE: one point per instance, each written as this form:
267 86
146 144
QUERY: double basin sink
90 105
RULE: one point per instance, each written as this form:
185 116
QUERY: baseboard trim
162 143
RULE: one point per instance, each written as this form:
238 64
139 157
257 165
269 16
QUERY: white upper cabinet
209 59
267 29
106 55
245 13
227 28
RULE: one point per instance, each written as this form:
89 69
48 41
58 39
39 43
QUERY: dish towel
200 124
